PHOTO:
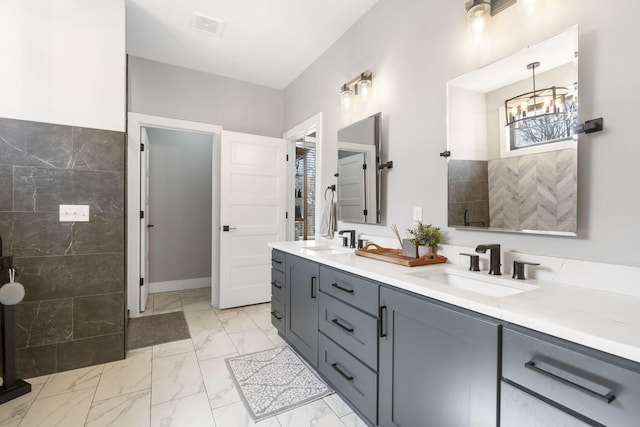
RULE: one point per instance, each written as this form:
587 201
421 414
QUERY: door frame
135 122
314 121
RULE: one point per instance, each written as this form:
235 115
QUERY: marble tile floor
183 383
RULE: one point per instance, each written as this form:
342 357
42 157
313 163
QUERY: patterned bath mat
274 381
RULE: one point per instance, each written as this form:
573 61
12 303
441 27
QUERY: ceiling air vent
207 24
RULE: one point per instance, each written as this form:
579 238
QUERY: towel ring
332 188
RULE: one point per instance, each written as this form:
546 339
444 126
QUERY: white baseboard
179 285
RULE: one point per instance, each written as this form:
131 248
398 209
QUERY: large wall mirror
358 188
512 162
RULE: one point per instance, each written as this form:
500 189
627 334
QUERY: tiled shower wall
534 192
73 273
468 192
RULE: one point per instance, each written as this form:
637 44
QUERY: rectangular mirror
358 188
513 152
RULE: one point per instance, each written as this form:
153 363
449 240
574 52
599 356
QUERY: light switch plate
74 213
417 215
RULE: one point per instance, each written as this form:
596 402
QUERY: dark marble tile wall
74 308
468 192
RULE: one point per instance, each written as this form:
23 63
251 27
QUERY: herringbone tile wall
534 192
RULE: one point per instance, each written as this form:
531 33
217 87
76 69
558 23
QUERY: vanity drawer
277 260
354 290
350 377
521 409
593 384
354 330
277 283
277 315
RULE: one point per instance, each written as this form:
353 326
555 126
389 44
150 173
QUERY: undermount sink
329 250
494 287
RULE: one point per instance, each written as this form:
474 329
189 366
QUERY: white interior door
252 213
144 221
351 188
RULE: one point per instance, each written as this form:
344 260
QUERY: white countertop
602 320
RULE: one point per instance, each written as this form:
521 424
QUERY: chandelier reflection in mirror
541 116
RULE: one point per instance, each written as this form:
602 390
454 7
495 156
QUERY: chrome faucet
494 257
352 238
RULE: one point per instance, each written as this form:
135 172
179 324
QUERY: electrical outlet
74 213
417 215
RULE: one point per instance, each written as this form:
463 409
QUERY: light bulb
476 18
364 88
345 98
478 24
526 8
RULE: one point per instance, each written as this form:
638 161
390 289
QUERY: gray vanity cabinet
278 284
348 345
546 375
301 295
438 365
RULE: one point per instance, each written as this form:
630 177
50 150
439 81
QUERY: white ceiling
551 53
268 42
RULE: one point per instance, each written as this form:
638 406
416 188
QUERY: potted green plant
427 236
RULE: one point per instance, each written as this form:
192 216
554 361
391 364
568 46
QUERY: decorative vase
409 249
422 250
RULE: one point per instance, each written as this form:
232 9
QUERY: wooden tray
395 256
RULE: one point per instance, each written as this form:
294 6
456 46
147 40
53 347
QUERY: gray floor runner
156 329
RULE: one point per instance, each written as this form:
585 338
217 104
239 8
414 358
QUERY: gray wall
73 273
180 205
414 47
166 90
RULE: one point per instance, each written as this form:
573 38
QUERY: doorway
137 134
305 187
179 210
248 201
306 148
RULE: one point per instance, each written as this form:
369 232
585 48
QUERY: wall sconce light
526 8
479 12
361 85
345 97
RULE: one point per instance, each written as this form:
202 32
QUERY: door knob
227 228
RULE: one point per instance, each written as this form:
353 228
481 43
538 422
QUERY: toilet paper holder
11 386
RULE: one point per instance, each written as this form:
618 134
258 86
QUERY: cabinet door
301 307
438 366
